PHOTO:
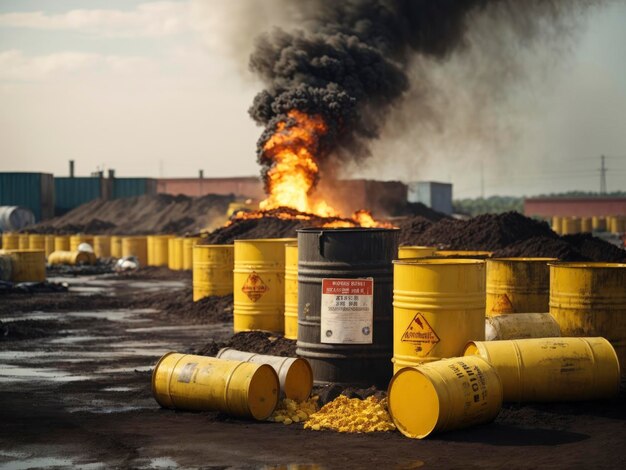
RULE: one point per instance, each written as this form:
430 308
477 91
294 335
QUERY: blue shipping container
72 192
131 187
34 191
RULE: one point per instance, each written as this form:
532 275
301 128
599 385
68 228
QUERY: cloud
151 19
16 66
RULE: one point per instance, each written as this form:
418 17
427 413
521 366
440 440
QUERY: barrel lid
438 261
266 240
299 380
583 264
546 260
413 403
263 392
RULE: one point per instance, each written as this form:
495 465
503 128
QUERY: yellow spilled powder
289 411
345 414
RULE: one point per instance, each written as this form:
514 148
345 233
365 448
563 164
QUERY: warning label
502 305
420 333
254 287
347 311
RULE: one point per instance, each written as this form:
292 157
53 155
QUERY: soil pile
594 248
260 342
149 214
180 305
541 247
411 228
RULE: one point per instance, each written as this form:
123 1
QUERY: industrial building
547 207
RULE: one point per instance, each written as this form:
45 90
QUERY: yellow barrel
291 291
598 223
416 251
477 254
517 285
23 241
294 373
589 299
61 243
135 246
438 306
557 224
571 225
212 270
27 265
444 395
158 250
49 244
552 369
199 383
175 254
71 258
619 224
188 244
259 290
77 239
102 246
36 242
10 241
171 255
116 246
521 326
585 225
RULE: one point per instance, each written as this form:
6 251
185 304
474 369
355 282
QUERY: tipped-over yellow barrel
259 289
517 285
294 373
416 251
71 258
199 383
444 395
212 270
61 243
137 247
521 326
552 369
438 306
291 291
589 299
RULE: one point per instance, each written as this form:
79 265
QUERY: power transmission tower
602 176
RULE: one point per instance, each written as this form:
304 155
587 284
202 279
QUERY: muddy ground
75 392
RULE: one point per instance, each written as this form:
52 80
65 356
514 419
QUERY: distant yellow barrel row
27 265
77 239
567 225
61 243
136 246
158 249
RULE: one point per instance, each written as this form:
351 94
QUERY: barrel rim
346 229
466 252
435 261
265 240
419 246
524 259
199 245
585 264
154 372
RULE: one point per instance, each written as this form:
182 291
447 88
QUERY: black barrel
353 351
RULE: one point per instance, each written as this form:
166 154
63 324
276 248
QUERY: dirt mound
594 248
259 342
541 247
418 209
160 213
411 228
180 304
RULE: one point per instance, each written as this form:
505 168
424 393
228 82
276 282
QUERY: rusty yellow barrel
10 241
444 395
23 241
102 246
199 383
589 299
71 258
212 270
188 244
571 225
438 306
557 224
77 239
521 326
552 369
517 285
27 265
259 284
586 225
294 373
136 246
36 241
416 251
291 291
598 223
61 243
49 244
116 246
476 254
158 250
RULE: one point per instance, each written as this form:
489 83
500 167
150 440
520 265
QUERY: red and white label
347 311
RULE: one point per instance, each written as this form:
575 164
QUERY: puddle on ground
161 462
36 462
11 373
123 370
81 356
81 339
128 316
169 328
119 389
37 316
109 409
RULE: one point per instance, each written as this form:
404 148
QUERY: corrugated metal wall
72 192
34 191
131 187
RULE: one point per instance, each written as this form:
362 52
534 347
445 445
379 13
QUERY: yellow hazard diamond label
502 304
420 333
254 287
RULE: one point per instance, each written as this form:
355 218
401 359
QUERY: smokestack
111 173
200 174
71 168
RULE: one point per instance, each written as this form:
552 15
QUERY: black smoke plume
348 60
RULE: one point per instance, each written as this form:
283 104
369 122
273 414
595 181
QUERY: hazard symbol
420 333
502 304
254 287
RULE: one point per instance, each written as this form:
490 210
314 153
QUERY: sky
161 89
